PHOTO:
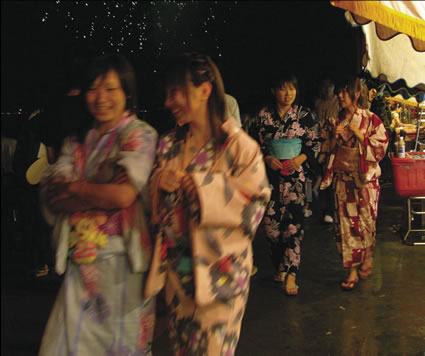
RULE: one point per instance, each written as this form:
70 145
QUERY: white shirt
232 109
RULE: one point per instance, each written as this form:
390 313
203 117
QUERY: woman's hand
293 164
170 180
338 129
356 132
273 163
189 187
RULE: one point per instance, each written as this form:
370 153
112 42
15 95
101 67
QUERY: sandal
291 291
279 277
365 272
348 285
44 271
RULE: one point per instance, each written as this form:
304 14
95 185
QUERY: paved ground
384 316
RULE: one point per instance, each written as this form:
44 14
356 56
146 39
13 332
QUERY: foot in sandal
291 287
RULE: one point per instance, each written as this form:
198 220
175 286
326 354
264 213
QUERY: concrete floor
385 315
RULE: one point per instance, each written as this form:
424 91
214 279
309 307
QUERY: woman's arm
70 197
136 156
104 196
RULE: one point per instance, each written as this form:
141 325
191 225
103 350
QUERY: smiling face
285 95
186 108
106 100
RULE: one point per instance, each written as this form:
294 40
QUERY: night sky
246 39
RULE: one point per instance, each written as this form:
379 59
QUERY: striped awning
395 38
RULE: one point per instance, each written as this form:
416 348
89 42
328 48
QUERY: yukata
203 249
284 217
356 204
100 308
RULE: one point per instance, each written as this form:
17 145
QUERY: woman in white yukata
93 197
210 191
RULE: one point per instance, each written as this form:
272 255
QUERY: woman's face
106 99
185 108
285 95
345 100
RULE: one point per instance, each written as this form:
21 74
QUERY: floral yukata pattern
284 218
203 250
100 308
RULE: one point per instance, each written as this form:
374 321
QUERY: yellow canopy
395 37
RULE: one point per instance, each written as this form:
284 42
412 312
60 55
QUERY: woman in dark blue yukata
286 124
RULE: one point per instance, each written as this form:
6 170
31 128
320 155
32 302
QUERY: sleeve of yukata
137 155
166 150
62 168
237 199
376 140
311 138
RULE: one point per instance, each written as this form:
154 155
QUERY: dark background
247 40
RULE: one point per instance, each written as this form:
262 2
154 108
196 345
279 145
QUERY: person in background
209 190
232 108
29 149
396 119
65 111
284 218
92 196
327 109
358 142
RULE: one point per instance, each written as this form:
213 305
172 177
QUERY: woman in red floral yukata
358 143
209 190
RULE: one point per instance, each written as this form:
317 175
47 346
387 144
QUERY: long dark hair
99 66
199 68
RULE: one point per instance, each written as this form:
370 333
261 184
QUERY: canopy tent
395 38
411 102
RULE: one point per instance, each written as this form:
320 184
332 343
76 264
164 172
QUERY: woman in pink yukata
209 190
284 218
92 196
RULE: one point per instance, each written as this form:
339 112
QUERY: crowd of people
139 218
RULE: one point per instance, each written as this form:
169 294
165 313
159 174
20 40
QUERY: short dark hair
278 79
101 65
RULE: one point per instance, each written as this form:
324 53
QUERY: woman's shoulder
304 112
376 120
302 109
136 123
245 143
